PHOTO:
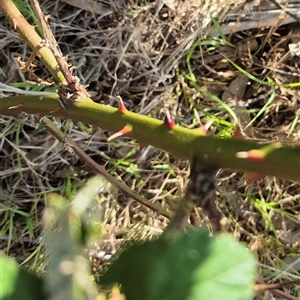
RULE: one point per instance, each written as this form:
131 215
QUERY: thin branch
100 170
29 35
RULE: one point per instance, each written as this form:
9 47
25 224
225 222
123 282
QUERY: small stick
100 170
51 42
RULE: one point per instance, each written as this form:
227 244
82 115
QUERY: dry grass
139 51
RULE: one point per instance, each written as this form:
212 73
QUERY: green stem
282 162
33 40
272 160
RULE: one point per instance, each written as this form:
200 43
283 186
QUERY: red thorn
15 23
124 131
19 106
238 134
168 121
204 128
122 109
255 155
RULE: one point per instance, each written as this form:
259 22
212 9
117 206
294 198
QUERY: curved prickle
124 131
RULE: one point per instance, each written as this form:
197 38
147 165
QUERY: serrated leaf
193 267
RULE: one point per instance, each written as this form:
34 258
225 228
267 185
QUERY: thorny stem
209 151
247 156
51 41
273 159
34 41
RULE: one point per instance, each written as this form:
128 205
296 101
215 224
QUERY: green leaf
18 283
68 229
194 266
